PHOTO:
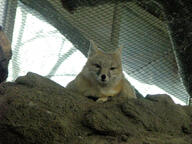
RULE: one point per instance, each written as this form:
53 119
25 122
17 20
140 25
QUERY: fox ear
118 51
93 49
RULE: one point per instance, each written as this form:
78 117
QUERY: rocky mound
36 110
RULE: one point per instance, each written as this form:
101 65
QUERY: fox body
102 76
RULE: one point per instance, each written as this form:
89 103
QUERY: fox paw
102 99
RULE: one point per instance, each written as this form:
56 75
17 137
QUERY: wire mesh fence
52 38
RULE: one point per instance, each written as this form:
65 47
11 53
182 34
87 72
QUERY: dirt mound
37 110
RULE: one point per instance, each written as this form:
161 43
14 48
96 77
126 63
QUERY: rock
157 116
164 98
36 110
108 121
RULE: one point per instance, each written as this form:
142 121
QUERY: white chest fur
108 91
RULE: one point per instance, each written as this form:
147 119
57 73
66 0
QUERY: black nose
103 77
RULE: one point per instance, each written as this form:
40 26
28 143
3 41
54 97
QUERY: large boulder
35 109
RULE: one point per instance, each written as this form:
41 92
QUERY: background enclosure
156 39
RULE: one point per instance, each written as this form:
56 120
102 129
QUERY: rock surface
36 110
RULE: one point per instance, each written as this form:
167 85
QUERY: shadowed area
5 55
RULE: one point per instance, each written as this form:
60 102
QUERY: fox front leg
102 99
95 96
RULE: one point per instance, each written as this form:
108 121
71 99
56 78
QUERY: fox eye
97 65
112 68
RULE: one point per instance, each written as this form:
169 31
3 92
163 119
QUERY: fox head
103 67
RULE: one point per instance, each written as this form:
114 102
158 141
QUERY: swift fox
102 76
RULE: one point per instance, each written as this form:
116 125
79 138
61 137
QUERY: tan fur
89 82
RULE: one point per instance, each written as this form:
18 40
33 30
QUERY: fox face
103 68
